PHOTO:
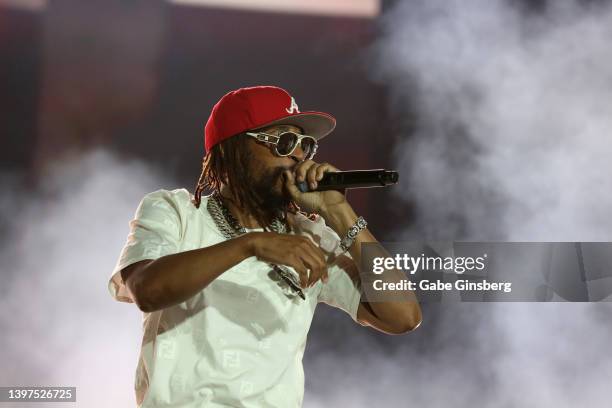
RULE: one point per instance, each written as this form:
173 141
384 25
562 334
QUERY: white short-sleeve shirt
239 342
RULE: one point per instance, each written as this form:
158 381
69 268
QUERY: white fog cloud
60 326
505 120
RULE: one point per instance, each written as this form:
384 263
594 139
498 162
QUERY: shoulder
179 197
177 204
178 194
163 203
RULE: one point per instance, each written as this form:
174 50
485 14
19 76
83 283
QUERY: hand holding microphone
330 183
341 180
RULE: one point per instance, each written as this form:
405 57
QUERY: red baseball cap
261 106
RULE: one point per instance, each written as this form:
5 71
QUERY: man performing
229 282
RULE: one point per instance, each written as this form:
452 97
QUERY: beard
267 187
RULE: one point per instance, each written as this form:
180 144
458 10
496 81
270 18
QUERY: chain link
231 228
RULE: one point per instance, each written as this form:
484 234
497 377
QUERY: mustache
264 190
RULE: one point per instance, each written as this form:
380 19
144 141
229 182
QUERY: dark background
141 78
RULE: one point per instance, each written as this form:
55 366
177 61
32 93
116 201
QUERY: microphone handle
352 179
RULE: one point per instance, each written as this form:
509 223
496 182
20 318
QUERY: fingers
297 251
301 169
315 260
315 174
290 185
312 265
312 172
296 263
325 168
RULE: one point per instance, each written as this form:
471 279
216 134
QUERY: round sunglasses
286 142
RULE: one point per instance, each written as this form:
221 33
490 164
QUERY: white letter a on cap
293 108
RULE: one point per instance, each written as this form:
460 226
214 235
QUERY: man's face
266 167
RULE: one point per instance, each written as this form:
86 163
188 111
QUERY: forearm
172 279
404 304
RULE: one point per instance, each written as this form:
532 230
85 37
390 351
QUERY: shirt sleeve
154 232
342 290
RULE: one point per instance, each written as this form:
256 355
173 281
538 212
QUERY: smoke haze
504 121
60 326
504 116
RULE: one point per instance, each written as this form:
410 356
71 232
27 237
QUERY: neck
244 218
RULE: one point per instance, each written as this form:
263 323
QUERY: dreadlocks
222 165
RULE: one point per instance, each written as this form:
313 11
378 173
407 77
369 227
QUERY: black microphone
352 179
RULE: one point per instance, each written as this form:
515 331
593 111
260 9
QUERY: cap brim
316 124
